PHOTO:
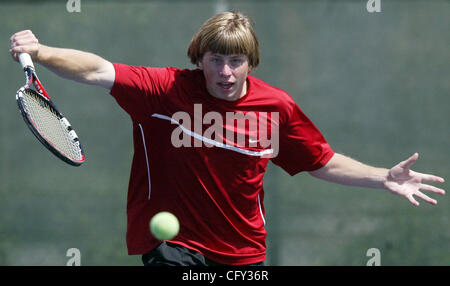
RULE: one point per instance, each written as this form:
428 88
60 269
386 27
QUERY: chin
229 95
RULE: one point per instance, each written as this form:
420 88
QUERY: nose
225 70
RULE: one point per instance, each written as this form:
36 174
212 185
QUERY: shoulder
129 70
184 75
164 76
189 74
273 96
270 91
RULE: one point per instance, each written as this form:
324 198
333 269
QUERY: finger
20 33
410 161
20 49
426 198
26 47
25 33
22 39
16 57
20 36
432 189
23 42
432 178
13 54
412 200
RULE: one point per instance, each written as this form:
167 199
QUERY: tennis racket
49 126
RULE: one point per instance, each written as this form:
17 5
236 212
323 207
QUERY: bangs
228 43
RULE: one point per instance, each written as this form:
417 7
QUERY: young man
186 160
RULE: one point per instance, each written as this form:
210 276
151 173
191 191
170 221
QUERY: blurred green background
376 84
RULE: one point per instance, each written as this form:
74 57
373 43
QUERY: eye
237 62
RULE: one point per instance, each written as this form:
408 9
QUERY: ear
200 63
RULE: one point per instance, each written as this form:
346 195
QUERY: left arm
400 179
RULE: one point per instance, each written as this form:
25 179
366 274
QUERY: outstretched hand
407 183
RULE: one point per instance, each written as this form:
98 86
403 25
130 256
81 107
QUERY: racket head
49 126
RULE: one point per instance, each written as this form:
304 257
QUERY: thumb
14 55
410 161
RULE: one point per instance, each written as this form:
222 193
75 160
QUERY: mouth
225 85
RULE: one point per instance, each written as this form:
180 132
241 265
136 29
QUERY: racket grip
25 60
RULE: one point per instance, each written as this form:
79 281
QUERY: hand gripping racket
49 126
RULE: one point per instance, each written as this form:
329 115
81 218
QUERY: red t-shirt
216 190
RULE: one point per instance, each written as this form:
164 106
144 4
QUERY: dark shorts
171 254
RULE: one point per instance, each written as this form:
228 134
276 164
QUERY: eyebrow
234 56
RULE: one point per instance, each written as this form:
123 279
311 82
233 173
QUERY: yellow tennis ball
164 226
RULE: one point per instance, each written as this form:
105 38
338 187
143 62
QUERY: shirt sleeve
302 146
139 90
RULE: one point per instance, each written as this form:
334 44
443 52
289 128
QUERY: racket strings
47 121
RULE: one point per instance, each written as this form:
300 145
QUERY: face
226 75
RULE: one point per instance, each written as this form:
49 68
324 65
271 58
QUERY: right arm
71 64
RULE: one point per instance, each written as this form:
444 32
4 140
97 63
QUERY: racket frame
32 79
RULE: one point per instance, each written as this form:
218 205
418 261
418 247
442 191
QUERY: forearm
72 64
346 171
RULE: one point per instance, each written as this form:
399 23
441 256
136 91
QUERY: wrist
384 178
40 55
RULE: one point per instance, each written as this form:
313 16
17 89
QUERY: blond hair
225 33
